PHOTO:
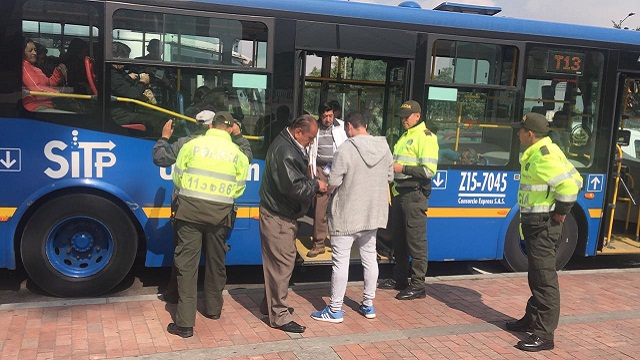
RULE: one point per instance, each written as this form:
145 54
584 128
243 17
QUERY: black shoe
167 299
212 316
390 284
181 331
535 343
412 292
292 327
291 310
521 325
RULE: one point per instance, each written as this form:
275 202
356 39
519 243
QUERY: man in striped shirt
331 134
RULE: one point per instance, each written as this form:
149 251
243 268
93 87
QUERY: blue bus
82 200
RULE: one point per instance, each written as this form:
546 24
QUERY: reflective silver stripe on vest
428 161
241 183
211 174
558 179
415 160
178 171
537 209
527 187
567 198
204 196
411 159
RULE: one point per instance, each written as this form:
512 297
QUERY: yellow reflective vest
548 181
211 168
417 147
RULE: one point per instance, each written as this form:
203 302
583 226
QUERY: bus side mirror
624 137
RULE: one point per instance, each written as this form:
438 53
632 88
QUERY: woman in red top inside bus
35 80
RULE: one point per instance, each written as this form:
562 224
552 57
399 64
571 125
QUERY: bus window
187 39
357 84
564 85
169 48
462 62
58 75
470 101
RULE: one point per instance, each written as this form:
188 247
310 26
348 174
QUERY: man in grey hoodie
360 175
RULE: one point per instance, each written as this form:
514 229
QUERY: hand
134 76
559 217
144 78
63 69
397 168
149 94
322 186
167 129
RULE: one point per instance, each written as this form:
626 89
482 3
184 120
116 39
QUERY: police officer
549 186
165 155
415 162
210 174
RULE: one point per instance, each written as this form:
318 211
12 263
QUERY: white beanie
205 116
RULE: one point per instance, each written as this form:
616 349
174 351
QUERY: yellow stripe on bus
6 213
595 213
468 212
253 212
165 212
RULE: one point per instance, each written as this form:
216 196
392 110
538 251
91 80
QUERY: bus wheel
78 245
515 251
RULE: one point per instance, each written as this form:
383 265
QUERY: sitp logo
88 158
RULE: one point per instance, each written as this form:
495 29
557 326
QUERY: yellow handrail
607 240
124 99
58 94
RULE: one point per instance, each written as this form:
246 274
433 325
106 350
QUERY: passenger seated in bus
197 103
73 59
468 156
46 63
154 51
132 86
160 78
33 79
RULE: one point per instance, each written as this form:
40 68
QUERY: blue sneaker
367 311
327 315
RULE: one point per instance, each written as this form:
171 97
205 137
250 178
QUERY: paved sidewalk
461 318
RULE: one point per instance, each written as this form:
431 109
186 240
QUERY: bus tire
515 252
78 245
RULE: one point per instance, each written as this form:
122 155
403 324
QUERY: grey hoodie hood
372 149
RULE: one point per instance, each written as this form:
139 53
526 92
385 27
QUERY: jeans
341 249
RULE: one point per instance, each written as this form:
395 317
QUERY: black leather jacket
287 188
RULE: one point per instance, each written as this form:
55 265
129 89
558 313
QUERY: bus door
623 223
370 84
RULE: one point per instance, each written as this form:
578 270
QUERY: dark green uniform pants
409 232
542 238
191 238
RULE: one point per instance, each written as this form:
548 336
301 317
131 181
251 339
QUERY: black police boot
392 284
535 343
412 292
182 331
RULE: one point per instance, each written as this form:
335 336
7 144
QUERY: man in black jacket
285 196
132 86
